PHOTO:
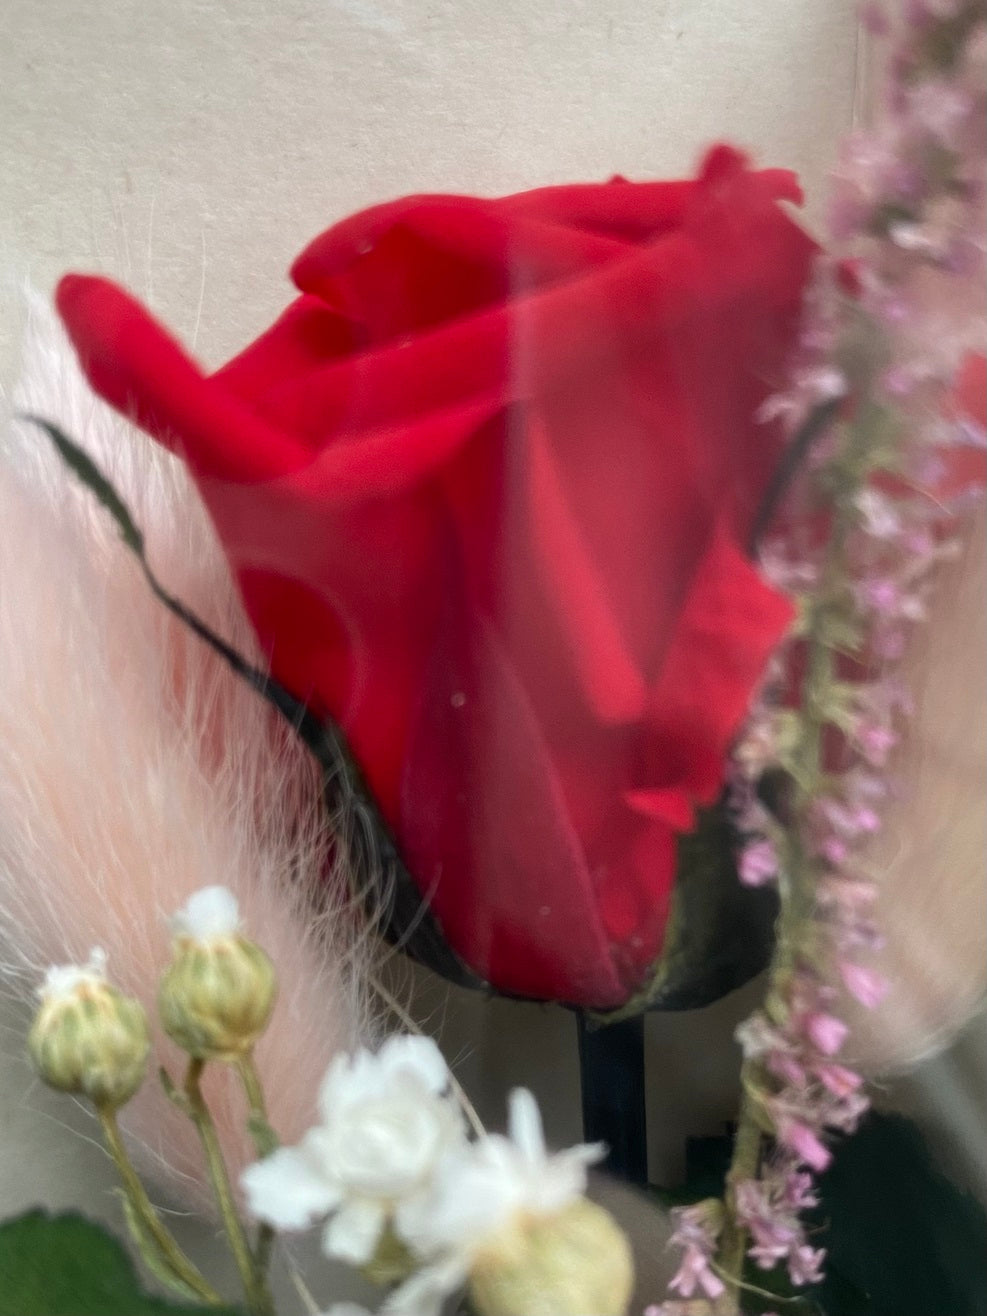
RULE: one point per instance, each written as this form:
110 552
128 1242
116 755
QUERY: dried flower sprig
424 1210
890 328
404 1193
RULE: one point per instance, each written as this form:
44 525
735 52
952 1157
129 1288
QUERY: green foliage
901 1239
66 1265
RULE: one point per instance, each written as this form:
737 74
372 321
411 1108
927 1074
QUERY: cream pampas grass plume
135 768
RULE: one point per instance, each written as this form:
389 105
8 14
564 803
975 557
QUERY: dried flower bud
87 1037
567 1264
216 996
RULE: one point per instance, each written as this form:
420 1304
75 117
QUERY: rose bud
488 486
88 1038
216 996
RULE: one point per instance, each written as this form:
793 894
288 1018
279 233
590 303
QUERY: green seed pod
87 1037
568 1264
216 997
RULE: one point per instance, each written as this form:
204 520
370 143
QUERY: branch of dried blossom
884 337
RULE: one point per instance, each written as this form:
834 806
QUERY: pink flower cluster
895 313
696 1233
770 1208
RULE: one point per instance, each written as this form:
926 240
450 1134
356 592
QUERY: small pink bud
876 742
758 863
835 851
826 1032
867 986
838 1079
800 1139
784 1066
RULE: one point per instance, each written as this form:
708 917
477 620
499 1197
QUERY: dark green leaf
79 461
66 1265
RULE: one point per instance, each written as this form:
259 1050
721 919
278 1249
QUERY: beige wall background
190 147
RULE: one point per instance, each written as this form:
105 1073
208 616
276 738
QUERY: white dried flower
490 1199
210 914
387 1119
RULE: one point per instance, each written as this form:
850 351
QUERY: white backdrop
191 147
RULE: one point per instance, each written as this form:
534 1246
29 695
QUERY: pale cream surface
191 147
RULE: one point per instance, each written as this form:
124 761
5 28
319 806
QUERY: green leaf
79 461
65 1265
151 1254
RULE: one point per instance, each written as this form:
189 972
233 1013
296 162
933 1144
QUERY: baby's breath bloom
216 996
87 1037
511 1219
387 1118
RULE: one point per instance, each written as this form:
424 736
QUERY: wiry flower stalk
886 360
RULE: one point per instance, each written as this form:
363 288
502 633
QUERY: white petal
472 1194
286 1189
525 1127
347 1309
63 980
425 1292
410 1054
332 1089
350 1080
207 915
354 1231
564 1177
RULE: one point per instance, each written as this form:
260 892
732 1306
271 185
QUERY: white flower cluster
393 1169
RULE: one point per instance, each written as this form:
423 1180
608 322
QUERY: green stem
744 1165
797 883
173 1257
259 1301
265 1141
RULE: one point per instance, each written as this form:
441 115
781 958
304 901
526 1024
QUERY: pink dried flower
879 515
875 741
911 199
846 893
696 1231
849 820
694 1272
941 109
805 1265
769 1209
758 863
798 1191
826 1033
805 1144
838 1079
864 984
835 851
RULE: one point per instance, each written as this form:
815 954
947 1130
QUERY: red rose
484 485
